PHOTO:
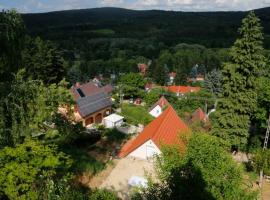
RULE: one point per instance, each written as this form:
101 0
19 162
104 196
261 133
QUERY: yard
136 114
94 153
125 168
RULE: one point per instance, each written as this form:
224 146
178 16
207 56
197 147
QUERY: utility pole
264 148
121 96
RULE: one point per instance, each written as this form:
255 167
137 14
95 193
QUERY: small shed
113 120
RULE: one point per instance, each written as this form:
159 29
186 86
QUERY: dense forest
211 29
113 40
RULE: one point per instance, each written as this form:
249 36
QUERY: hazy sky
183 5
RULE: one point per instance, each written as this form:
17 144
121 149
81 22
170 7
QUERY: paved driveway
123 171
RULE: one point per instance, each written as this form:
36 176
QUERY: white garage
113 120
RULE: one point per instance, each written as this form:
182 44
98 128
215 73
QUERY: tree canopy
204 171
239 97
132 84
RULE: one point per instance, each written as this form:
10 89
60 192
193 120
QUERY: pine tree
43 61
239 98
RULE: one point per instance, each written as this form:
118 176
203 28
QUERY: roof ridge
165 113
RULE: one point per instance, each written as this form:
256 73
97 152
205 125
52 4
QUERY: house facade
172 76
158 107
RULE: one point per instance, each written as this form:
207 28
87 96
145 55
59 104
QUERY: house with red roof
166 129
198 78
199 115
158 107
142 68
172 76
182 90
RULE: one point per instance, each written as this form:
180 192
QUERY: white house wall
156 111
141 151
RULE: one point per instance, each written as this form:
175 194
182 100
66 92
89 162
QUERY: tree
29 107
153 96
213 82
74 75
24 168
204 171
132 84
12 35
261 161
193 101
43 61
239 98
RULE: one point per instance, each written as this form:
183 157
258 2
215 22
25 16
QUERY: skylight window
80 92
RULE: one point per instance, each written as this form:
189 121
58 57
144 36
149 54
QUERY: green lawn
136 114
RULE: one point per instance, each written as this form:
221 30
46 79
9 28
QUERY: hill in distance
211 29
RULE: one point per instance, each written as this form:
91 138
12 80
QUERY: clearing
124 169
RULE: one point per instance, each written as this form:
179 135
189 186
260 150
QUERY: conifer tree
239 98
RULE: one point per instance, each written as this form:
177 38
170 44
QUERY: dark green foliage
74 75
43 61
12 33
29 107
193 101
113 135
83 161
263 99
205 171
211 29
239 97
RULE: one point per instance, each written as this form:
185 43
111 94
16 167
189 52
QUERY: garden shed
113 120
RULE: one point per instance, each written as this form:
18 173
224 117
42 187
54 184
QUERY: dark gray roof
93 103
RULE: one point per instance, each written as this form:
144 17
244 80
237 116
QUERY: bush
261 160
103 195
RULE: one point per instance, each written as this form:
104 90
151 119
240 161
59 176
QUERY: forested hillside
211 29
114 40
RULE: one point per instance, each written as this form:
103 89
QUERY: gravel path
123 171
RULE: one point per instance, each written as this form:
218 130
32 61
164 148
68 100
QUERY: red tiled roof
162 102
198 115
164 130
182 89
108 88
88 89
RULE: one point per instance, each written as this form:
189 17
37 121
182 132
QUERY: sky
35 6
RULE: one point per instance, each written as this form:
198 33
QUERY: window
80 92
